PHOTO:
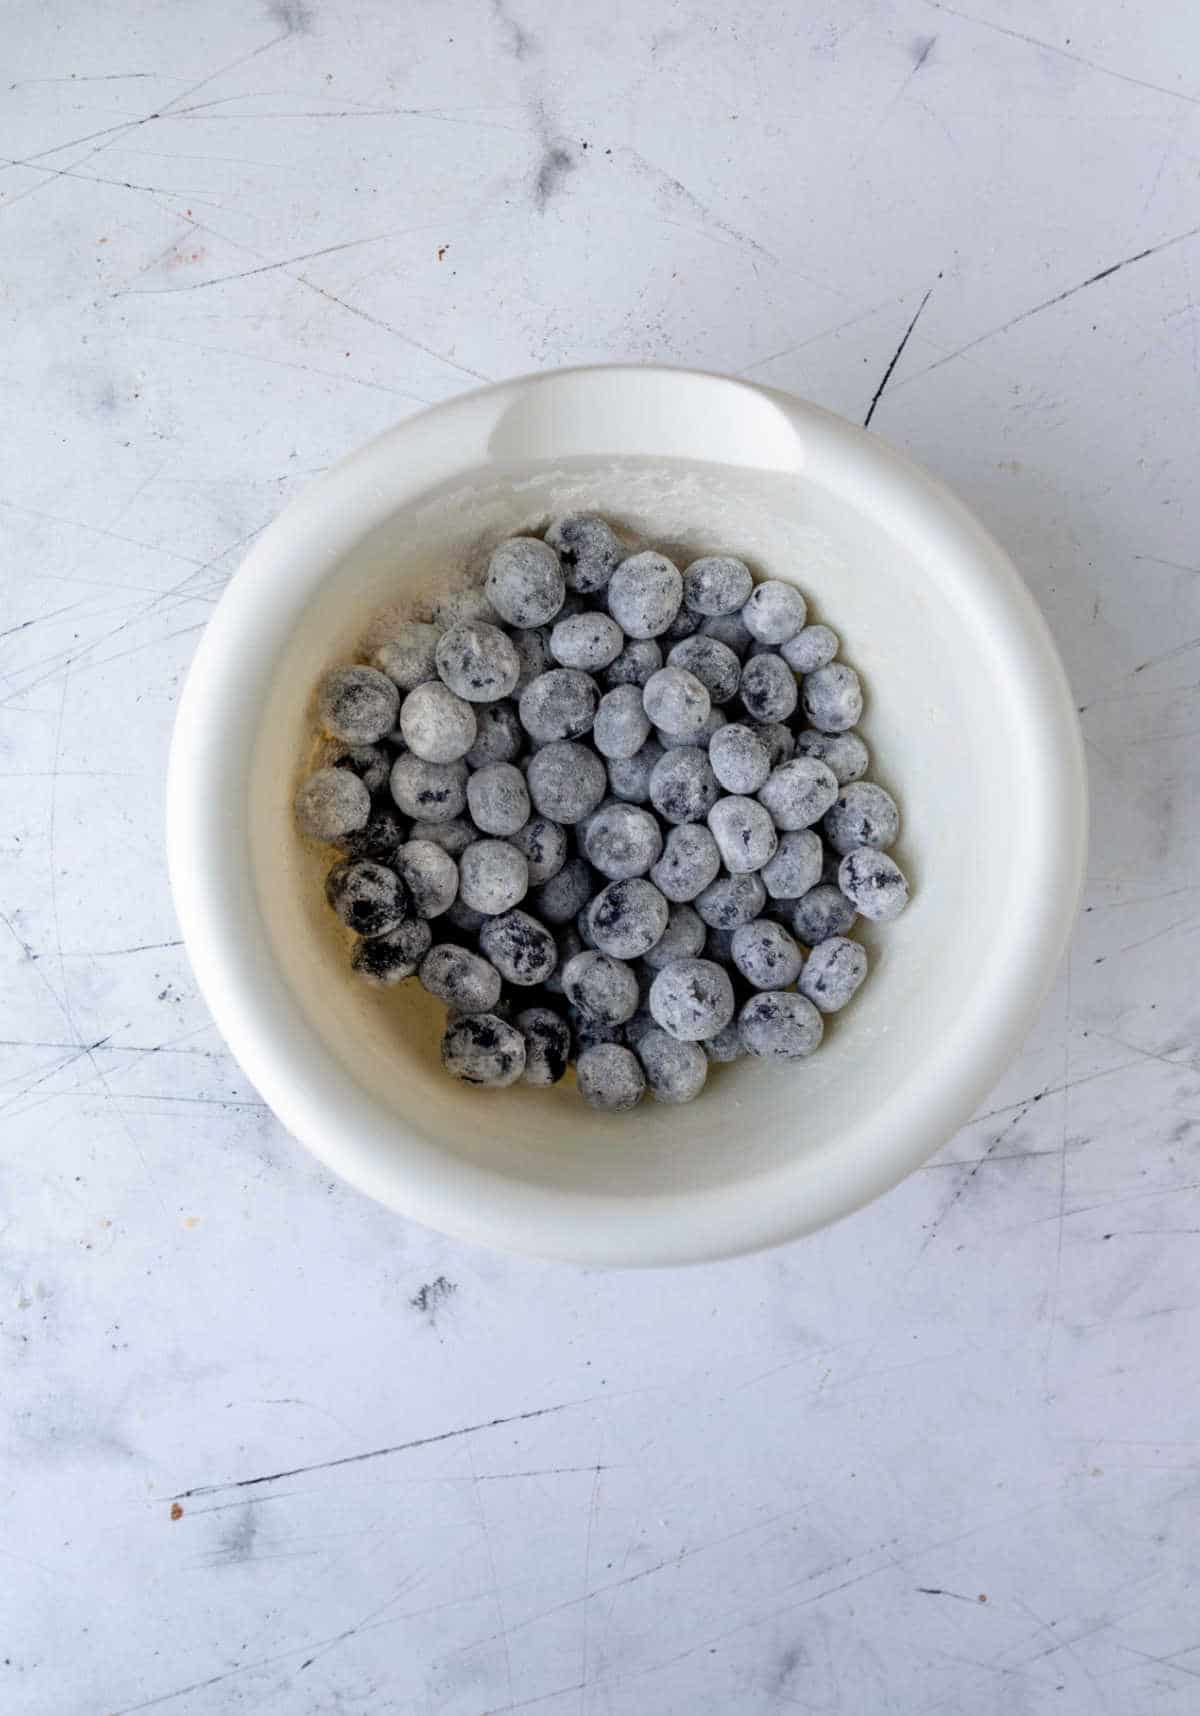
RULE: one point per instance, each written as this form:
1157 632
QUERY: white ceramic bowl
969 721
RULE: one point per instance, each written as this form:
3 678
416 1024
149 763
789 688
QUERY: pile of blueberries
608 813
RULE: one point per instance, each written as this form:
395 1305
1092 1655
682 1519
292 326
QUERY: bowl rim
302 1081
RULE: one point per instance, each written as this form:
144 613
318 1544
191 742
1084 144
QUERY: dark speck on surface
430 1299
294 16
556 163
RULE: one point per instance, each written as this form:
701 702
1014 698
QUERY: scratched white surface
418 1478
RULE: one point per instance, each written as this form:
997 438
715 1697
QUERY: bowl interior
941 732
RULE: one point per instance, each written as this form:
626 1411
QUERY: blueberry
796 867
533 655
429 792
637 661
621 840
698 738
779 1026
717 584
544 844
368 897
465 918
331 804
683 938
564 894
729 629
832 698
522 950
566 781
768 688
547 1045
713 663
478 662
766 955
744 833
465 607
690 861
731 900
460 978
481 1048
568 942
589 641
725 1045
629 777
499 735
874 883
626 918
385 960
371 763
810 648
609 1077
525 582
498 799
560 704
844 753
774 611
862 815
357 704
823 912
692 999
621 726
430 875
644 594
409 656
677 703
602 988
683 787
588 549
453 837
779 740
833 972
492 876
798 793
437 726
675 1071
383 832
739 759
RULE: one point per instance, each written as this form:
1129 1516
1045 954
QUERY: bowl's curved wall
968 720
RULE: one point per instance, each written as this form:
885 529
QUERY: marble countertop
267 1448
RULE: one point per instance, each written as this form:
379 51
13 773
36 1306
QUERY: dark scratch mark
1185 924
922 48
114 952
375 322
249 273
1167 655
1059 297
376 1453
679 192
520 42
1020 1114
1063 53
84 1049
896 356
937 1591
